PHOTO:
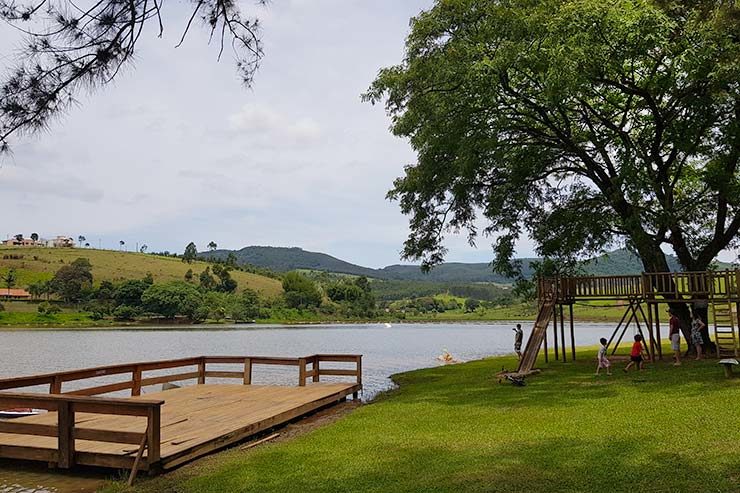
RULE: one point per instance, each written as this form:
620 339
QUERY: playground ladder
724 319
529 357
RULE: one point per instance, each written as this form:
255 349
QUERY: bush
125 313
47 308
300 291
173 299
2 307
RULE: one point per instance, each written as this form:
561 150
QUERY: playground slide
529 357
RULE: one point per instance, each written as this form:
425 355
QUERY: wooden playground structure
163 429
641 295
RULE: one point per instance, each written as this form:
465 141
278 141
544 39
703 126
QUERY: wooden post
316 368
56 386
649 321
153 429
544 340
572 333
302 372
136 377
65 433
555 333
202 371
358 359
657 331
247 371
562 334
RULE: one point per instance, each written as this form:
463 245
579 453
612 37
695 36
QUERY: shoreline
264 325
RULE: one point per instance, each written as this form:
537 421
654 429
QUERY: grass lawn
455 429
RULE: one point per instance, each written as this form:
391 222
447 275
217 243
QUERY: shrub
125 312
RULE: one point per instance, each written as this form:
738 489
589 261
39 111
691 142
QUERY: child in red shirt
636 354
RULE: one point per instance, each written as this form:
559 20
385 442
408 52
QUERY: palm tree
81 239
143 248
121 242
212 246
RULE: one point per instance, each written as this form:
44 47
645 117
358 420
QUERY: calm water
386 350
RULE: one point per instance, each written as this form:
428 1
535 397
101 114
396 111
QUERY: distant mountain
281 259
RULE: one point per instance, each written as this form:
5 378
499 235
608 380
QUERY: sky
176 149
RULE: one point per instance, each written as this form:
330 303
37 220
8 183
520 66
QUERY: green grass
39 264
592 312
455 429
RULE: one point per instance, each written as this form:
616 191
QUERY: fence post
154 418
202 371
316 360
136 377
247 371
65 434
56 386
301 372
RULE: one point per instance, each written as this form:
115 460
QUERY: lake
386 350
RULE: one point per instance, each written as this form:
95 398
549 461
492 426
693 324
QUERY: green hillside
37 264
285 259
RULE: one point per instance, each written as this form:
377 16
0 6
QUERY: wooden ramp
529 357
163 429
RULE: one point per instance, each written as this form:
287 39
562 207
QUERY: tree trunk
654 260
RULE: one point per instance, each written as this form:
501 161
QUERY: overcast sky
177 150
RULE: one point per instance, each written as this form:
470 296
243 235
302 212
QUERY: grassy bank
39 264
454 428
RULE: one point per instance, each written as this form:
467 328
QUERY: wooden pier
161 430
715 292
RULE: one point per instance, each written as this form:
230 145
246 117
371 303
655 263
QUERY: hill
282 259
36 264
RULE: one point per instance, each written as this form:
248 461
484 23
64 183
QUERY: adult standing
518 337
674 334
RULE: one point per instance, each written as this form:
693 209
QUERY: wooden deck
163 429
195 420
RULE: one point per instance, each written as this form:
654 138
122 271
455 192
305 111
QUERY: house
61 242
22 242
14 294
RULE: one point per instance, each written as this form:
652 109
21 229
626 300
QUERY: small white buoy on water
387 325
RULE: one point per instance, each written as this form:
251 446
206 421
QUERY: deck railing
87 400
651 286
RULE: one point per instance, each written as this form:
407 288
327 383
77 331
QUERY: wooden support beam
137 461
555 334
202 371
562 334
247 371
302 372
65 438
136 379
153 438
316 369
657 331
572 332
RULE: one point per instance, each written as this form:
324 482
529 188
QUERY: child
603 362
697 325
674 334
636 354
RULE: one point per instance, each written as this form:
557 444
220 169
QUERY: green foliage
191 253
173 299
189 275
125 313
71 281
46 308
206 280
355 295
300 291
247 307
471 305
582 124
9 279
226 284
129 292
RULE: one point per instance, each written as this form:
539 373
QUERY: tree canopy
71 48
581 123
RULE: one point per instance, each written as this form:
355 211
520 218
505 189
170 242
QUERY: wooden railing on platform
88 400
662 286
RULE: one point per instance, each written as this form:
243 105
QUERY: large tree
71 47
582 123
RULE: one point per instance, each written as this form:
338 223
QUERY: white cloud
257 122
